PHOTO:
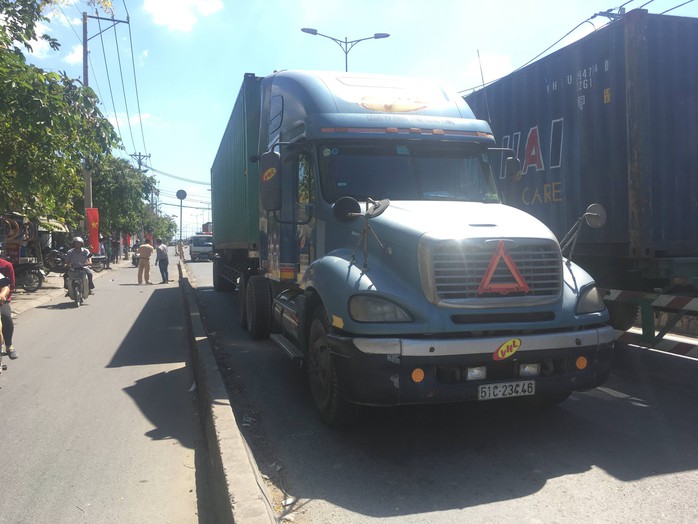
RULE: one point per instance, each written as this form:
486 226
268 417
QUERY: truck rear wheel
258 307
322 374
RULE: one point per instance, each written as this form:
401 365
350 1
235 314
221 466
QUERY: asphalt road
98 416
626 452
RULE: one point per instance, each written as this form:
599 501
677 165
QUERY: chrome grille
458 268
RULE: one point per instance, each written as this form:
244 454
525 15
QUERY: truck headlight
366 308
590 301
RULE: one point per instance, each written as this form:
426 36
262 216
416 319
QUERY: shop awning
48 224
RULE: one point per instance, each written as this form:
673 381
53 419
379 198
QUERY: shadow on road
414 460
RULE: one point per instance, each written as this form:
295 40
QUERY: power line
111 92
676 7
135 81
123 88
179 177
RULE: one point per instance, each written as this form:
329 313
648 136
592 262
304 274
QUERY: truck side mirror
513 167
270 181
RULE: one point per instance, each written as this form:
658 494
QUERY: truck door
305 212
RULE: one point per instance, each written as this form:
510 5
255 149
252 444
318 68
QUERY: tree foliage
120 192
50 125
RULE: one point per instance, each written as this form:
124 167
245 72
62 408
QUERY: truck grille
457 269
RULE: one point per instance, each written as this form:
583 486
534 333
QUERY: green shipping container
234 179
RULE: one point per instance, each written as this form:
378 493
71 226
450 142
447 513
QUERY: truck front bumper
394 371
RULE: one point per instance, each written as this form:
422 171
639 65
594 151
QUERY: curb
238 491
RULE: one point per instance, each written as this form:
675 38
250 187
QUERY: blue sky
190 56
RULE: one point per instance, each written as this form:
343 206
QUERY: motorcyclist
79 257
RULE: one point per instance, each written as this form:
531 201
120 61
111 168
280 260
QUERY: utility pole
86 172
139 157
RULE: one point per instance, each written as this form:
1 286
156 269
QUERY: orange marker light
581 362
417 375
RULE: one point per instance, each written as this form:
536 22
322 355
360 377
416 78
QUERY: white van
201 247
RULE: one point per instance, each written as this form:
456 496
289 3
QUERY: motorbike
78 285
29 277
54 261
98 262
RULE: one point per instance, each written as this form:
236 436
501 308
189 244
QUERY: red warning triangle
486 285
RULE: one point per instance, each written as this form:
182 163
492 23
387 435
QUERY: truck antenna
482 76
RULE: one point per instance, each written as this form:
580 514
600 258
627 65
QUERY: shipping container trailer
612 118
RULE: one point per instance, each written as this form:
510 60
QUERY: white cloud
142 57
135 120
180 15
40 47
75 55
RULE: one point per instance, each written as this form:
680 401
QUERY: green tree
159 226
120 191
50 125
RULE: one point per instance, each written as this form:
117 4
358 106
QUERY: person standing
107 253
7 276
162 260
180 250
145 251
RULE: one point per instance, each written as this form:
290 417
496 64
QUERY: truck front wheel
220 283
258 307
324 380
622 315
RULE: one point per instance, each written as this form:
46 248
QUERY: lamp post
345 44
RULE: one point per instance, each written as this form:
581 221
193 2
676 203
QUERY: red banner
93 228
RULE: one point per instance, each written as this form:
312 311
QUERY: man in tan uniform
145 251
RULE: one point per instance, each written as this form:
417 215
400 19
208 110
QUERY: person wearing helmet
79 256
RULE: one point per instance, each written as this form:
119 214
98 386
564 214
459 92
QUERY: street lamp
345 44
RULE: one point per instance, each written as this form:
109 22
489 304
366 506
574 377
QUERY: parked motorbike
54 261
98 262
29 277
78 285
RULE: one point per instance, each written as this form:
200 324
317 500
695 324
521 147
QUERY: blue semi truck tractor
358 217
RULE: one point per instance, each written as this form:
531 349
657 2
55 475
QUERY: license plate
506 390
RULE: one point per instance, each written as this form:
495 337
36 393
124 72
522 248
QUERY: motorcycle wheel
77 294
31 280
97 266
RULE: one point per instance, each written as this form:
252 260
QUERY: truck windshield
406 171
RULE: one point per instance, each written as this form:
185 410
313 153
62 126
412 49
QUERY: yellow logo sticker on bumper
507 349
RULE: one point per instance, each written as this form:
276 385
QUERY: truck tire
220 283
324 381
242 290
258 307
622 315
